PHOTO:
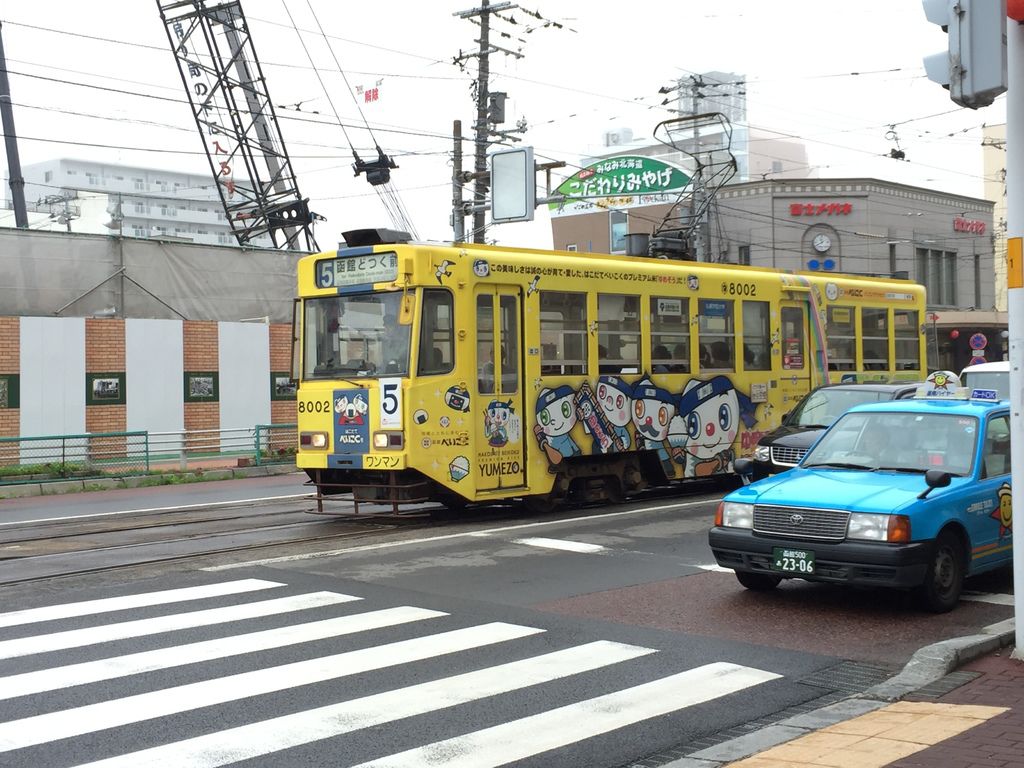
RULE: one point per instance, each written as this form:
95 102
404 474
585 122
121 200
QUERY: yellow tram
468 373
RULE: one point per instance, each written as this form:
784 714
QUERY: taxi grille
800 523
788 457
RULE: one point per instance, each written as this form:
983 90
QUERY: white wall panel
52 382
244 350
154 380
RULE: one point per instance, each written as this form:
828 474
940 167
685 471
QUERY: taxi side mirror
936 478
745 469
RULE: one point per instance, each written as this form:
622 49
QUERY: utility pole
697 200
488 111
17 181
458 214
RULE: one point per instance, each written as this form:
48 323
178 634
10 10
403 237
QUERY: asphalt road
595 639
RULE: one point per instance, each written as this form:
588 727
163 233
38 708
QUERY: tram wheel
542 504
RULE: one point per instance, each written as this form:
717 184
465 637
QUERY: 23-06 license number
792 560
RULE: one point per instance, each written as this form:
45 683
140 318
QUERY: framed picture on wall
282 386
9 391
104 389
201 387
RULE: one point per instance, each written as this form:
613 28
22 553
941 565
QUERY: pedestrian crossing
247 670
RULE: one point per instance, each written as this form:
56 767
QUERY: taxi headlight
871 527
763 453
736 515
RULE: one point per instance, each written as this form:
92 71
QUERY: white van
988 376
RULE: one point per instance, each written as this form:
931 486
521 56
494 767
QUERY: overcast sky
96 80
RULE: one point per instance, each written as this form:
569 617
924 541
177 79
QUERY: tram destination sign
357 270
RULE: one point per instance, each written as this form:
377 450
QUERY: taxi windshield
355 335
898 441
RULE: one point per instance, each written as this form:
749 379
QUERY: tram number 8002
314 406
739 289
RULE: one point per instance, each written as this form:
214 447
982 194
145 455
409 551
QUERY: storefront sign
820 209
971 226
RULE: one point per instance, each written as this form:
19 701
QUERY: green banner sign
624 175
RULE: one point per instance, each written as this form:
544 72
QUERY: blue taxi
912 494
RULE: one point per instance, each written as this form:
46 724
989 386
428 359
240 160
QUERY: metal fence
59 457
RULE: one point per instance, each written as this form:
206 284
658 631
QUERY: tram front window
355 335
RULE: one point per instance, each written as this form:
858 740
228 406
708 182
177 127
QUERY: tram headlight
383 441
313 439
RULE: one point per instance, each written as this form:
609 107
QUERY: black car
783 447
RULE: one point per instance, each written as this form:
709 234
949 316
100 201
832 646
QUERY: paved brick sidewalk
997 742
978 725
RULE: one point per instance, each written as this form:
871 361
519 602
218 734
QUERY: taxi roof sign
941 384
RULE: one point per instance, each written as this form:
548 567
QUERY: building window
936 271
563 333
776 166
892 258
744 255
618 228
670 334
48 176
572 247
139 183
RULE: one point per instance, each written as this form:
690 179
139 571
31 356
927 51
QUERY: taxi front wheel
944 580
759 582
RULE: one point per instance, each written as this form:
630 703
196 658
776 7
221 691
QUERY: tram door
796 355
500 446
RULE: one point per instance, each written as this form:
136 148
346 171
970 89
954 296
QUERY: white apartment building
69 194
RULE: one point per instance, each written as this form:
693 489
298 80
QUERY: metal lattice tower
232 108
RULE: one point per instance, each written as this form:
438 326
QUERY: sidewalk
166 473
924 717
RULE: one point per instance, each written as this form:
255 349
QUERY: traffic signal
974 66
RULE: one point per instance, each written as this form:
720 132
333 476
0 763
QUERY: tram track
36 551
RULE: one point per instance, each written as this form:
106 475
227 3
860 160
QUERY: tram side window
437 333
563 333
716 334
842 337
875 338
908 339
670 334
618 333
756 335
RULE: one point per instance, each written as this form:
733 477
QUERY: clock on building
821 243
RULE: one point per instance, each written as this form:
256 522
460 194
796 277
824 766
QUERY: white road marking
450 536
269 736
985 597
56 678
107 604
568 546
529 736
715 568
76 638
174 508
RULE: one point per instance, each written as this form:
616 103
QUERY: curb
926 666
59 487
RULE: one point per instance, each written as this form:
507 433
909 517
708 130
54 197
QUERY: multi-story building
88 196
859 226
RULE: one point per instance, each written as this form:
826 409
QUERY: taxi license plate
792 560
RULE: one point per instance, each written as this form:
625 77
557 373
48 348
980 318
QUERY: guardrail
98 454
